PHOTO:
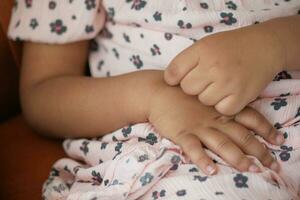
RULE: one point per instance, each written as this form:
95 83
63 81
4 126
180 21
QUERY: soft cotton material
135 162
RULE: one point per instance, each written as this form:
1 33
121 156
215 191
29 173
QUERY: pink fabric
130 35
135 162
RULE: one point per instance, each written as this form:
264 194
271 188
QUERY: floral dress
135 162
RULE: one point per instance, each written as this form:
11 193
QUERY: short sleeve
56 21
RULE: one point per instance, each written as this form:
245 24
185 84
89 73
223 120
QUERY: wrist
278 45
153 82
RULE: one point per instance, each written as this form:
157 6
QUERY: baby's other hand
192 125
228 69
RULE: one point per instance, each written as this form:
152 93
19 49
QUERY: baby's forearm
77 106
287 31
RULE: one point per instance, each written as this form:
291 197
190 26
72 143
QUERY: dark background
25 157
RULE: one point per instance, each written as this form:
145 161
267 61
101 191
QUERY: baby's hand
229 69
188 123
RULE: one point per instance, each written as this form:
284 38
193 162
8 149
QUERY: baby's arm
287 31
59 101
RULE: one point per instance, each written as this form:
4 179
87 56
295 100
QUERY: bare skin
228 70
59 101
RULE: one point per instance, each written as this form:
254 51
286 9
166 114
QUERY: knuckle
265 157
185 86
200 158
222 145
223 119
186 139
262 125
241 162
246 139
247 113
228 106
224 109
182 136
173 71
206 100
270 131
259 122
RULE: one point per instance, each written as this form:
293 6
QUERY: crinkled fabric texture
135 162
136 34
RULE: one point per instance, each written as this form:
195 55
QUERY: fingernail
253 168
279 139
210 169
274 166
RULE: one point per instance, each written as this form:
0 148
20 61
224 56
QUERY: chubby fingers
213 90
249 144
255 121
181 65
192 147
222 145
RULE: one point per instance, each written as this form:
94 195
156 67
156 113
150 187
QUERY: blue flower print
146 179
208 29
76 169
118 146
278 103
194 169
155 50
298 113
240 181
84 147
285 135
143 157
110 13
174 167
284 156
175 159
58 27
52 5
94 46
181 193
126 131
151 139
59 188
103 145
282 75
204 5
34 23
227 18
157 16
28 3
96 178
156 194
54 172
126 37
137 4
231 5
116 53
277 125
136 60
200 178
286 148
168 36
89 28
90 4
